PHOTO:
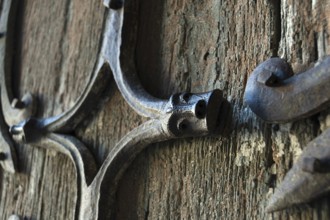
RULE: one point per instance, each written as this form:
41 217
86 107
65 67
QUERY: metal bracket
276 95
182 115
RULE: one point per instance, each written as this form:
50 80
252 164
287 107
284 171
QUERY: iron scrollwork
276 95
182 115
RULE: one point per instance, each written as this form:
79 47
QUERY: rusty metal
276 95
309 177
182 115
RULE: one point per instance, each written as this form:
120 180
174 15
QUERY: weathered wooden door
182 45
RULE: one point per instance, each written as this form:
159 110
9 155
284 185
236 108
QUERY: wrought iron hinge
182 115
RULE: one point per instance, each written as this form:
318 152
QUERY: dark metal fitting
198 107
16 129
276 95
273 71
197 114
183 115
17 110
28 131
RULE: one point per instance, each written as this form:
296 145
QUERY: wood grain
56 46
177 46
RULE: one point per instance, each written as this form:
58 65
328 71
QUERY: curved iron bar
39 131
94 205
7 112
276 95
67 121
14 110
81 157
19 111
133 92
181 116
18 115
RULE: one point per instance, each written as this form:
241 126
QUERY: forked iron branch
182 115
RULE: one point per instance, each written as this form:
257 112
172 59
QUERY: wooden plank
206 45
56 46
202 46
176 46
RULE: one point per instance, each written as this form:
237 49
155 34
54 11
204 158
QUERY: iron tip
277 202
